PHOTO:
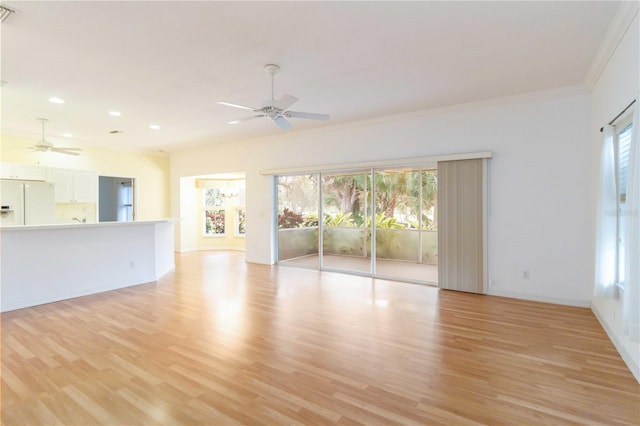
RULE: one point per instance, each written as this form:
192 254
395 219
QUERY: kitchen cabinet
22 172
74 186
86 187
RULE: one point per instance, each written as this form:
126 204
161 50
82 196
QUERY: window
622 147
214 212
240 222
125 202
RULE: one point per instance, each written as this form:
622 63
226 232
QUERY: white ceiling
168 63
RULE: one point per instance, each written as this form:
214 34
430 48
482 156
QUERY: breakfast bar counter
47 263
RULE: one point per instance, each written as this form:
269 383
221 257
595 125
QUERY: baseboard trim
620 347
186 250
534 298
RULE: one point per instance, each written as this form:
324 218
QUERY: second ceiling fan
276 109
44 145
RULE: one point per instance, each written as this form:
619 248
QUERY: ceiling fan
276 109
45 146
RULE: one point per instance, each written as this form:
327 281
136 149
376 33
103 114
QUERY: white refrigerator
26 203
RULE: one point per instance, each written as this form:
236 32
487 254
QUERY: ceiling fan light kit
274 109
46 146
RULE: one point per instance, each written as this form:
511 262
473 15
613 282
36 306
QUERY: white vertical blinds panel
461 207
624 151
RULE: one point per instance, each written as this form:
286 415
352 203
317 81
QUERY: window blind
461 225
624 150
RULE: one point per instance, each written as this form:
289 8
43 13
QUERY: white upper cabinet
74 186
63 180
86 186
22 172
71 186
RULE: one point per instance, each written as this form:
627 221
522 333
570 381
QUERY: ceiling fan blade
45 146
312 116
68 151
285 102
240 120
236 105
282 123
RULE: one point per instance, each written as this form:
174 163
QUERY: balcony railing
411 245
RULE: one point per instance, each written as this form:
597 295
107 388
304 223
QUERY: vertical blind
461 230
624 151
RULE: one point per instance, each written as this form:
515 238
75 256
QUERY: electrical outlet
525 274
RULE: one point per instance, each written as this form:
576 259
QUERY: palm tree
396 191
346 193
430 198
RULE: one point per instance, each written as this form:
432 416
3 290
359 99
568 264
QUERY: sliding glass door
298 220
345 214
379 222
405 224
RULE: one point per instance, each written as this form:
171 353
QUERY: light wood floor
222 342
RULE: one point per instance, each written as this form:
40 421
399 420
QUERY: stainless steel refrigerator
26 203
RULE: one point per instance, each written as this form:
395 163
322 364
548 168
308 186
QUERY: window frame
236 227
218 207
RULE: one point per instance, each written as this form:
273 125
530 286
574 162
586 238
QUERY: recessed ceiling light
55 100
115 113
154 126
67 135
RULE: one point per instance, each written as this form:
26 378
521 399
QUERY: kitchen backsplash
65 212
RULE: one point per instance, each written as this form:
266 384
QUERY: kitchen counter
47 263
81 225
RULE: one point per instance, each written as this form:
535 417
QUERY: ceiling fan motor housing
271 69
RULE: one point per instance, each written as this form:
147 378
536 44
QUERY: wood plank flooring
222 342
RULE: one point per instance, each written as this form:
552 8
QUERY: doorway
213 212
116 199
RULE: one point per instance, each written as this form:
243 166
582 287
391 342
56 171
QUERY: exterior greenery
402 204
402 199
241 217
214 222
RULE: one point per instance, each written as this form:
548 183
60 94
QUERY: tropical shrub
289 219
341 219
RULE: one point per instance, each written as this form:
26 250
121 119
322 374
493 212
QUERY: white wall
616 87
187 236
540 180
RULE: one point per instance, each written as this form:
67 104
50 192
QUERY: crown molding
619 25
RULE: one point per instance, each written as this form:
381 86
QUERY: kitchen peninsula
48 263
